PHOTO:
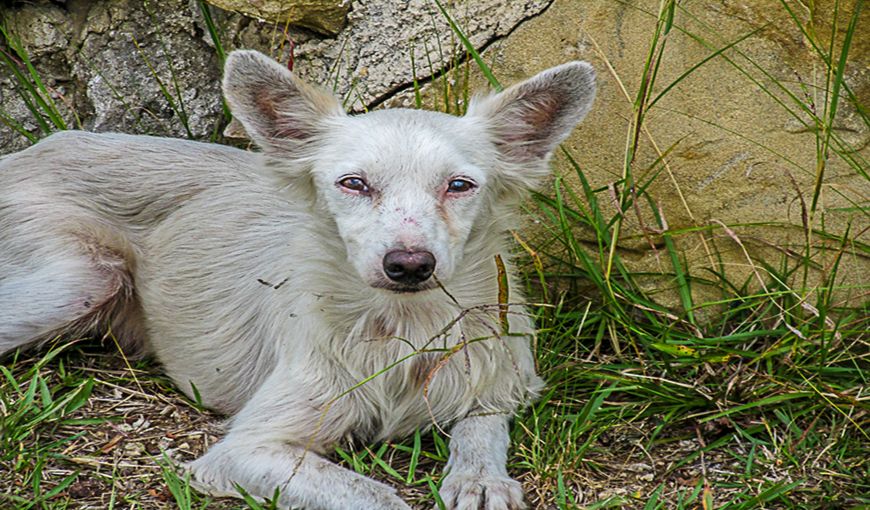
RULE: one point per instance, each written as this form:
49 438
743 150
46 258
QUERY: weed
30 87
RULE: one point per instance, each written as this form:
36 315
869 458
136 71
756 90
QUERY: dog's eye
354 184
460 186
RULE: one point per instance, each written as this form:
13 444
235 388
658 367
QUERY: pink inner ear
280 125
529 126
286 129
541 112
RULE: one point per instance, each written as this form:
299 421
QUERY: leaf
82 393
680 351
503 295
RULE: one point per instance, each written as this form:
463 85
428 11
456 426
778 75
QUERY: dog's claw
476 492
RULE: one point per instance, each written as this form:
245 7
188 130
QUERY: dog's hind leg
59 286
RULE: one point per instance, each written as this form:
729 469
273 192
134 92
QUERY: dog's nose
409 267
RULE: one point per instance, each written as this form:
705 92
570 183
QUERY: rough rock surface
737 157
325 16
152 67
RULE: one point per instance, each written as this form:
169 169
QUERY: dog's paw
471 491
206 481
201 480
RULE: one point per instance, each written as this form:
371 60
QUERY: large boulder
149 67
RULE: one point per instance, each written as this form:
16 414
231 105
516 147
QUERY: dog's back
104 174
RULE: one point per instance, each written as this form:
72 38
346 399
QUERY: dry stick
652 141
503 294
539 268
463 342
758 277
803 304
805 219
737 240
703 445
503 310
536 260
441 363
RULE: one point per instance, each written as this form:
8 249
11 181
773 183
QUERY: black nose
409 267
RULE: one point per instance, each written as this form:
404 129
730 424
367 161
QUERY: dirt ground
141 418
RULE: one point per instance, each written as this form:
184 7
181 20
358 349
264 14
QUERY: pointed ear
528 120
279 111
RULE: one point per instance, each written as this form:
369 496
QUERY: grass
763 397
647 406
30 88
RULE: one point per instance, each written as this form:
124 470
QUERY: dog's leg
273 443
476 473
47 293
303 479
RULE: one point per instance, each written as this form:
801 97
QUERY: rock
149 67
736 157
42 29
733 149
325 16
371 60
145 71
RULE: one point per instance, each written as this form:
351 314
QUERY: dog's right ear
279 111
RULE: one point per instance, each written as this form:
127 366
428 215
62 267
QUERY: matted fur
257 279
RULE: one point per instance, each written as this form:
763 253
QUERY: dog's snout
409 267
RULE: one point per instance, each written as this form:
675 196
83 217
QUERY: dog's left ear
528 120
280 112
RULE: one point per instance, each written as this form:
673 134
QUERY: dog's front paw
207 481
471 491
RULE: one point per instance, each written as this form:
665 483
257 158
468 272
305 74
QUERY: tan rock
739 164
325 16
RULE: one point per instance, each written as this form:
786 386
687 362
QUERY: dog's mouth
400 288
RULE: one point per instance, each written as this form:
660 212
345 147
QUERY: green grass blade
484 68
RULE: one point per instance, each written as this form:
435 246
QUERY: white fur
257 279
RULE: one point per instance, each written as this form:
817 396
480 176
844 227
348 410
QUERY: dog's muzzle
409 268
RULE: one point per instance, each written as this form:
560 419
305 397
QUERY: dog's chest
411 388
414 368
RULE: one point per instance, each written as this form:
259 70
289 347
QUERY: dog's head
406 188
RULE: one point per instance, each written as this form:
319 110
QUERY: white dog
343 283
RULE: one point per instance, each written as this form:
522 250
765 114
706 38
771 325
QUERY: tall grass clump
36 95
34 404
